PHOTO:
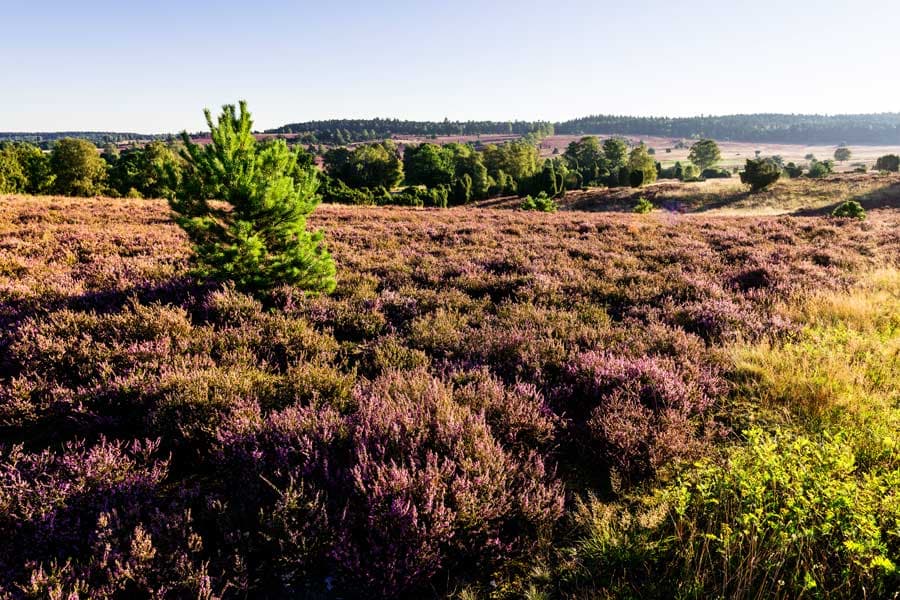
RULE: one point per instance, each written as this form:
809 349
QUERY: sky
151 66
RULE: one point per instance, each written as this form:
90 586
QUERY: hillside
492 402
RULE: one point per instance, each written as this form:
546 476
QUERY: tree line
384 172
345 131
773 128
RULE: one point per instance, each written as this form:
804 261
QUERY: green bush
643 206
760 173
541 203
888 162
792 170
788 514
850 209
715 173
821 168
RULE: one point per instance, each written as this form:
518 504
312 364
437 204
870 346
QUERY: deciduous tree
704 154
77 167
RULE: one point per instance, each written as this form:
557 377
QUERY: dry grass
730 196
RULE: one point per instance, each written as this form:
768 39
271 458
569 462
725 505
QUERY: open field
802 196
734 154
729 196
493 403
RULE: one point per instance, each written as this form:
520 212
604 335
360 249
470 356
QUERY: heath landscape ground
493 403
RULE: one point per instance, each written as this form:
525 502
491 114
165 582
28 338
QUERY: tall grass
807 503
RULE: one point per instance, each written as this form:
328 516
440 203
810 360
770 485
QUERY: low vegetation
497 404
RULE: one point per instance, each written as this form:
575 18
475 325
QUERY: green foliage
24 168
516 159
643 206
586 158
690 172
550 180
369 165
820 168
541 202
436 197
259 240
850 209
715 173
616 152
462 190
466 161
12 177
788 513
888 162
427 164
77 168
640 160
842 153
760 173
705 154
153 171
792 170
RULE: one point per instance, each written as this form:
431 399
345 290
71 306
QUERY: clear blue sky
151 66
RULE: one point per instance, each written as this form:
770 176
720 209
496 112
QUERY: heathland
492 403
472 371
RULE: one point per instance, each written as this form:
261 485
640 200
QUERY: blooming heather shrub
518 417
435 487
640 413
84 348
389 353
95 522
398 437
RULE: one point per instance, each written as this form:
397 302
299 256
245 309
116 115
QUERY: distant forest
45 139
358 130
772 128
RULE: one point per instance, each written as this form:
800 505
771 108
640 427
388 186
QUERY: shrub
820 168
690 173
760 173
261 241
888 162
636 179
541 203
757 526
792 170
850 209
643 206
715 173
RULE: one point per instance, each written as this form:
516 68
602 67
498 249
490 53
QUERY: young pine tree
255 233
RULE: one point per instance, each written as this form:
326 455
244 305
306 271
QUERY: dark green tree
842 154
366 166
428 165
12 176
587 158
888 162
36 165
616 152
256 236
760 173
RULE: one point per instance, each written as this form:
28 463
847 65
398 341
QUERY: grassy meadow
492 404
